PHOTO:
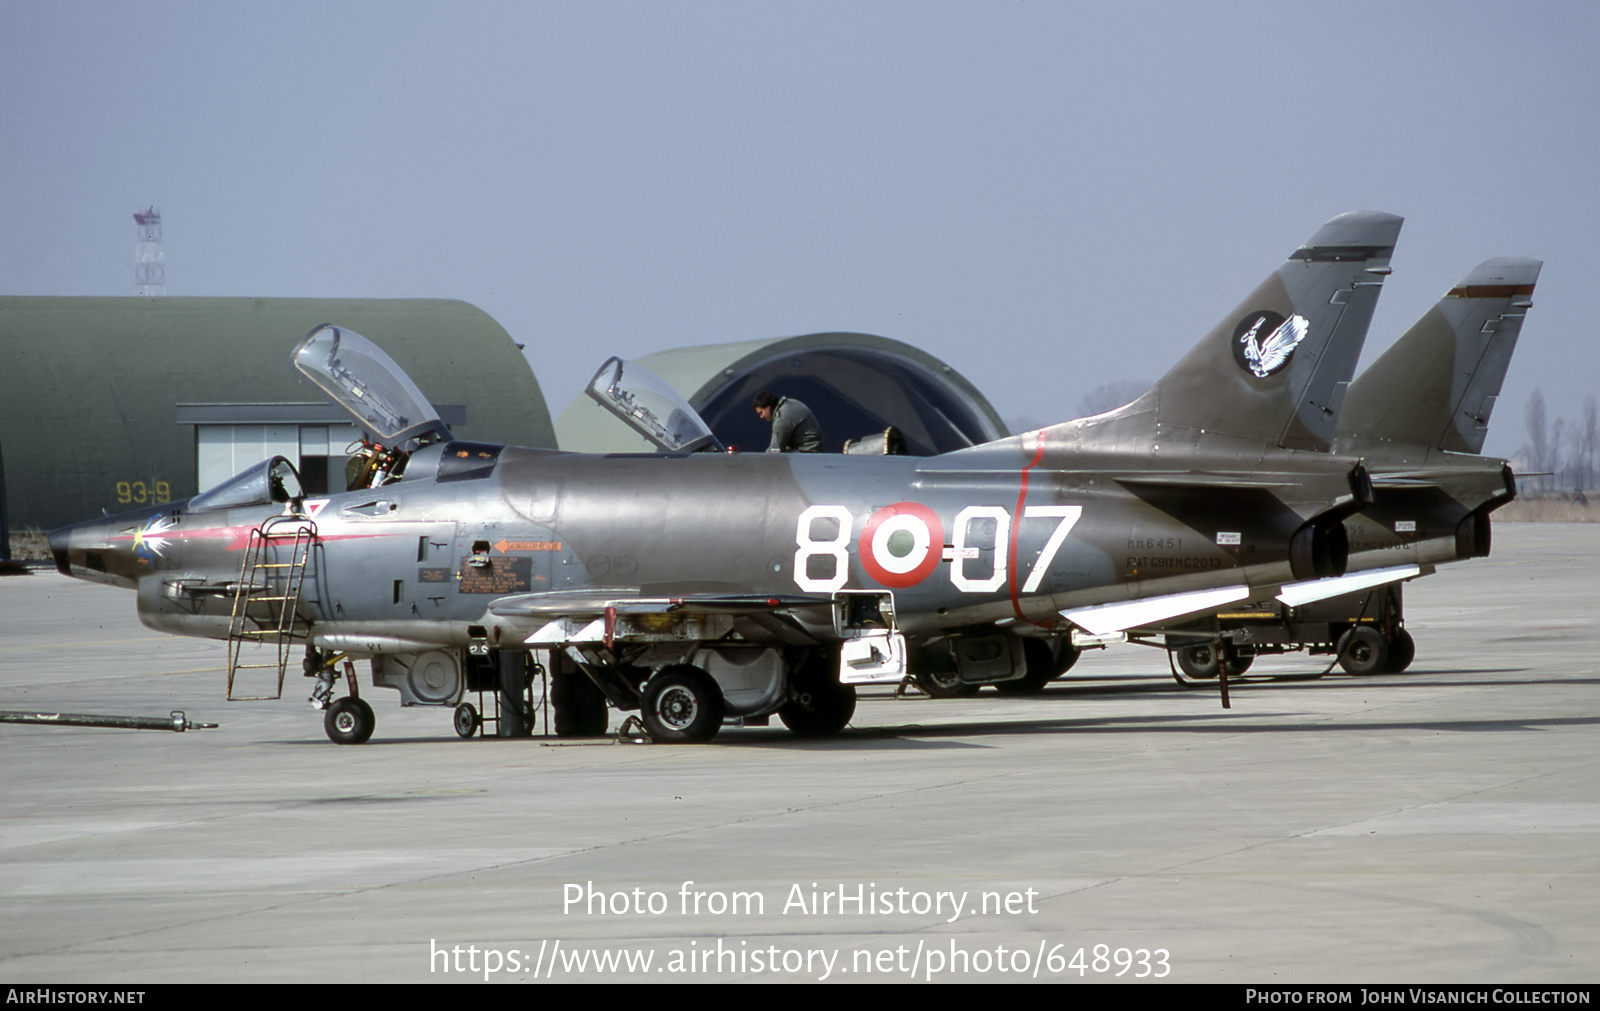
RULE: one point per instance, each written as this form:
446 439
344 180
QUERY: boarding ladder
266 600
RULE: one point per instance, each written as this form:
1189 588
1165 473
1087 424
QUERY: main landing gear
1044 666
818 706
682 705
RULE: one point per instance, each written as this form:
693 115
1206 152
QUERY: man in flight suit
794 427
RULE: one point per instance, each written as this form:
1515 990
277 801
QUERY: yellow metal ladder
266 600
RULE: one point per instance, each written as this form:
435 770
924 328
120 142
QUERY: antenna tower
149 267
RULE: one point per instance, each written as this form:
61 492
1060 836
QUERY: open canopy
358 376
651 407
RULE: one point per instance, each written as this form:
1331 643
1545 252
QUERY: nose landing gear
348 720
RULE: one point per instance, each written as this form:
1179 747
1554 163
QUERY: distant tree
1110 396
1533 415
1558 439
1588 432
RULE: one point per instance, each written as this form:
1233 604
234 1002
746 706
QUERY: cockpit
268 482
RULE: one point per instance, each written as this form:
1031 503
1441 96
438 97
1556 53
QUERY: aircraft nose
97 550
59 539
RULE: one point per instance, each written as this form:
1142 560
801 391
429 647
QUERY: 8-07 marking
901 545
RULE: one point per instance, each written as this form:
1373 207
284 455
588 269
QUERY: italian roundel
901 544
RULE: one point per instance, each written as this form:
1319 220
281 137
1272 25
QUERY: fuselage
419 560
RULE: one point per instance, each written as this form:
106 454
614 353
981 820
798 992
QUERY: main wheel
944 684
1363 651
467 720
1066 655
682 705
349 721
1041 669
1402 650
818 706
1198 664
580 706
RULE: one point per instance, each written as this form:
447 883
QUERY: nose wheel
349 721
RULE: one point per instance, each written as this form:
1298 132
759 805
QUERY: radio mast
149 268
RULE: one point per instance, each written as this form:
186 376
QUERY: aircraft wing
1420 478
1162 611
1341 489
1105 619
1196 479
1312 590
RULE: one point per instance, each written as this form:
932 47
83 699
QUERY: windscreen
358 376
269 481
650 407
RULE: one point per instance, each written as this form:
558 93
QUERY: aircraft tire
467 721
1067 654
1402 650
349 721
1363 651
682 705
580 706
1198 664
1041 670
818 705
944 685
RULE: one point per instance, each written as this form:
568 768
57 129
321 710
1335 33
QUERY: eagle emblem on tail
1265 357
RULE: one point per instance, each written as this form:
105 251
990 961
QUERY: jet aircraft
1417 417
699 586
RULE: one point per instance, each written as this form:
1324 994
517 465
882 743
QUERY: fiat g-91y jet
696 587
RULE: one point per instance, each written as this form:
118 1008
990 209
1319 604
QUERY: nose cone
116 549
58 549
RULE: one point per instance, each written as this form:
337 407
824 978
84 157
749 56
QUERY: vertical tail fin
1275 370
1436 386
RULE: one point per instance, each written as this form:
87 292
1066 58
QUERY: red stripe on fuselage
1016 527
241 535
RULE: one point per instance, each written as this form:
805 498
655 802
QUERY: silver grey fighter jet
696 587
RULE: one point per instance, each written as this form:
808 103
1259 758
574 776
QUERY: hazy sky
1049 196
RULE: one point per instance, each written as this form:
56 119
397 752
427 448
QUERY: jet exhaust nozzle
1473 538
1319 549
